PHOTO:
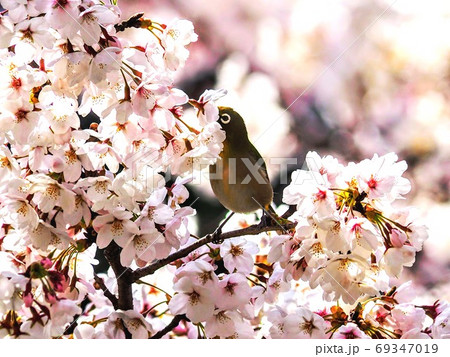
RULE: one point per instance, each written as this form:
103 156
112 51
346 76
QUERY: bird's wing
254 156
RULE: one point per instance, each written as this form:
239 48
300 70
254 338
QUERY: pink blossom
349 331
200 272
135 324
114 226
48 193
193 300
176 36
234 292
141 247
304 324
237 254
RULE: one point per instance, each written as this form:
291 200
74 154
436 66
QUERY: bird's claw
216 236
267 220
272 221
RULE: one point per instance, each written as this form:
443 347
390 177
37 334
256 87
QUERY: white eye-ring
225 118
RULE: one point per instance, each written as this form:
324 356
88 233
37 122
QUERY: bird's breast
240 182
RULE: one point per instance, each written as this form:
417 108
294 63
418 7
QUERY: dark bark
123 276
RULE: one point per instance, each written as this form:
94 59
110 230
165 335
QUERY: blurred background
358 77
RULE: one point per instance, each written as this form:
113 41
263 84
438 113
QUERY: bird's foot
272 219
218 232
216 239
266 221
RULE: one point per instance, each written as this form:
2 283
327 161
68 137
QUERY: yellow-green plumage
239 189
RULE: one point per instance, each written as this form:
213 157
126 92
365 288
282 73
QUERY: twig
290 211
133 21
174 323
251 230
111 297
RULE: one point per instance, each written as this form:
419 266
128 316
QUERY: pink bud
50 298
27 299
58 281
398 238
46 263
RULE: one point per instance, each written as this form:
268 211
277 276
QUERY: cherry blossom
92 17
201 272
48 193
193 300
237 254
132 321
141 247
310 193
176 36
234 291
441 326
115 226
349 331
304 323
207 110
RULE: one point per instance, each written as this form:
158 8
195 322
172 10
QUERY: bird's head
232 123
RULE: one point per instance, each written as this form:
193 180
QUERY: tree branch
111 297
174 323
251 230
133 21
123 276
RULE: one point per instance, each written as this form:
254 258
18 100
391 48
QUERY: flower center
140 243
101 186
16 83
372 183
27 35
236 250
343 264
71 157
316 248
204 277
55 240
222 318
23 209
229 288
21 115
4 162
307 327
52 191
61 3
117 228
321 195
194 298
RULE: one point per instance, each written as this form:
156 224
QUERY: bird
239 178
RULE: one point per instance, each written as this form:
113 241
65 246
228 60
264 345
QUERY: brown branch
290 211
174 323
123 276
251 230
133 21
111 297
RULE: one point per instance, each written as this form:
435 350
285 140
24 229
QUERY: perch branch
251 230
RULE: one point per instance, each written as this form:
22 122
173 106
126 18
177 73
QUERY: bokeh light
348 78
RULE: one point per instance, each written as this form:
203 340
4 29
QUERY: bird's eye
225 118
